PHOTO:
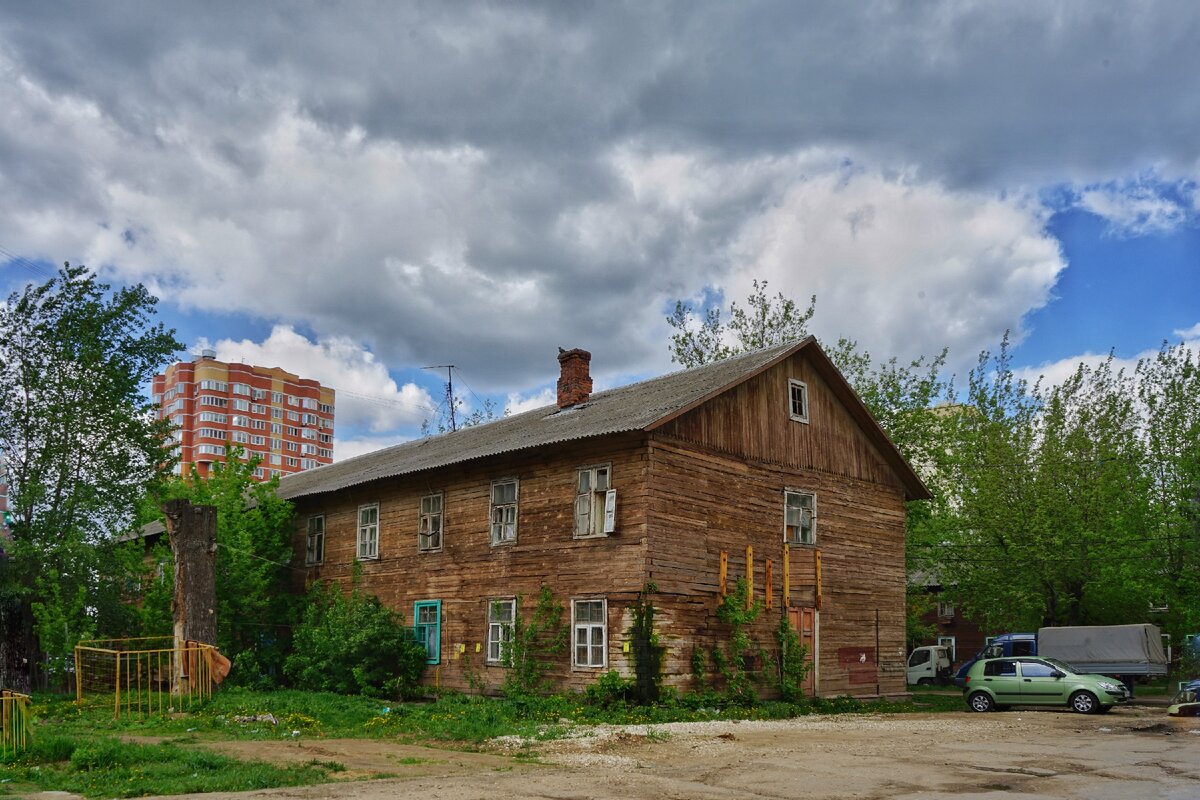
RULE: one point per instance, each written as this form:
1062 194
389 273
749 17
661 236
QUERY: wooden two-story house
766 462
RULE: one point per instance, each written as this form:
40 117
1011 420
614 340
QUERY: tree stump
193 533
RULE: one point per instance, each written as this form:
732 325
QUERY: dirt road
1130 754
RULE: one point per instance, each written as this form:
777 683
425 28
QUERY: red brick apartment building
285 419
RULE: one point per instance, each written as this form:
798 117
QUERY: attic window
798 400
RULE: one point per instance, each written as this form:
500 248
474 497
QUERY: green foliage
255 604
793 661
353 645
534 646
609 690
81 445
1058 515
699 669
733 661
106 767
917 604
647 652
762 322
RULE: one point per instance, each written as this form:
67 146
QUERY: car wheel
925 682
1085 703
981 701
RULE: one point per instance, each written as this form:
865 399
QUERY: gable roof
642 406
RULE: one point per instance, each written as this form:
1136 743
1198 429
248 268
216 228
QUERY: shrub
609 690
353 645
793 662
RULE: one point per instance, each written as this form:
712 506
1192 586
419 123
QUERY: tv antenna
449 390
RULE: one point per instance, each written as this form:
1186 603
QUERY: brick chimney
575 379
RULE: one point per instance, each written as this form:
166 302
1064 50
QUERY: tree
255 606
352 644
763 322
81 443
1051 514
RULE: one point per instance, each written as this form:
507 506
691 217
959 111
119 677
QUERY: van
929 665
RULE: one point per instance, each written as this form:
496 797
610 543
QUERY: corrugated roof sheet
627 408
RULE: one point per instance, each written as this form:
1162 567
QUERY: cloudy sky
355 190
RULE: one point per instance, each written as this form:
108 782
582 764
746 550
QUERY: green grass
69 752
107 767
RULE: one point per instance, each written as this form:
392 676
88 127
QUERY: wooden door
804 621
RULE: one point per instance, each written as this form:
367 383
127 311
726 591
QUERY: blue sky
362 189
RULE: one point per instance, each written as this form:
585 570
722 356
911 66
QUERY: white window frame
368 532
595 511
314 543
812 508
949 643
590 629
496 527
802 416
945 609
500 627
425 522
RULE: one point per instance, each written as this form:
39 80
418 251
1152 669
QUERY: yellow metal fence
148 676
14 721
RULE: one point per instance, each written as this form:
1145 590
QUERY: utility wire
14 258
260 558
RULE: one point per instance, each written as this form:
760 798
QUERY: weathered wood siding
718 474
752 422
469 571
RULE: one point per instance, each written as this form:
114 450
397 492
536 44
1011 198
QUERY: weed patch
106 767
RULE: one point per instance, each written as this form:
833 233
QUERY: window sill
801 544
593 535
579 668
428 551
367 558
505 543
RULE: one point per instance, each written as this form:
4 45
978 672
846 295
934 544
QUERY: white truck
929 665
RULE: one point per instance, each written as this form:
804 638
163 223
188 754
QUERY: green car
996 683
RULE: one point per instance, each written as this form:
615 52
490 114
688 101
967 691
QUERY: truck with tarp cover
1124 650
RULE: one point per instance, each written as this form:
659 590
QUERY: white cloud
367 396
516 403
1189 333
360 445
1144 206
903 265
1055 372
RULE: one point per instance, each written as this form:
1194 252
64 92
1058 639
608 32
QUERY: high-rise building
285 419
